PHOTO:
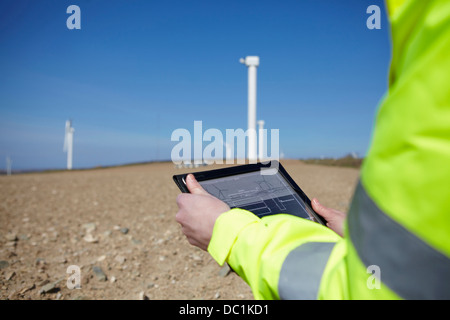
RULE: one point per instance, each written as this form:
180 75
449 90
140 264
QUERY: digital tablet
263 194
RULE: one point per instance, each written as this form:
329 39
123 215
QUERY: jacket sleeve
259 248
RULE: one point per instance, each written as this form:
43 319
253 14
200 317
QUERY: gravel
50 221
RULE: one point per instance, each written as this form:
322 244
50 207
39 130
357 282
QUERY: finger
193 186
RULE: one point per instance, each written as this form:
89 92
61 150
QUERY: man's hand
335 219
197 214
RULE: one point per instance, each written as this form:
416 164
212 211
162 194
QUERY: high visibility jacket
397 231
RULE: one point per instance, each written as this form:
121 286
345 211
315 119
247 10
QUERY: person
396 235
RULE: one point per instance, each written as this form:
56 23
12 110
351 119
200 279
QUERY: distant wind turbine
8 166
228 152
68 143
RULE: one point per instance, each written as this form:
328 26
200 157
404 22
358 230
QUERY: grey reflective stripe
408 266
302 271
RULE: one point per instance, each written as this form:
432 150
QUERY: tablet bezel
247 168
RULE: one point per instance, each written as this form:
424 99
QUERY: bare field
122 221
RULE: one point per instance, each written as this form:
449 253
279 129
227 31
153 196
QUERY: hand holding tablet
198 212
262 194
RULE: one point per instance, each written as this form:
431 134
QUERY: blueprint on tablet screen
261 194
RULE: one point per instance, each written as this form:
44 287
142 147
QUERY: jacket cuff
226 230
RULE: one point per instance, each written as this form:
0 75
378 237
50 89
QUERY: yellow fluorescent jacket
398 225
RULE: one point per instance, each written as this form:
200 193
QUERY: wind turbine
228 153
252 62
68 143
8 166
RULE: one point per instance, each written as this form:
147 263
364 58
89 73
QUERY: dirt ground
121 221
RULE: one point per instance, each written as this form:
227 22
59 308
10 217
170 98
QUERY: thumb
193 186
320 209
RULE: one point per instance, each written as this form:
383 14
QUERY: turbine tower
68 143
252 62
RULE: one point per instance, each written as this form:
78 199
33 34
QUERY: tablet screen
261 194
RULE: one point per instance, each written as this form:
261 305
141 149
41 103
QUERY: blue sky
137 70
